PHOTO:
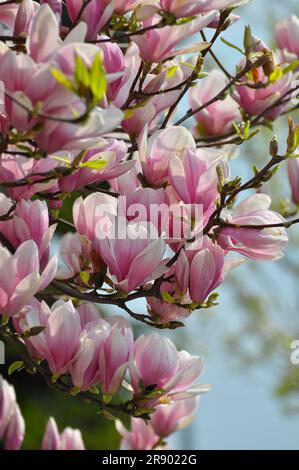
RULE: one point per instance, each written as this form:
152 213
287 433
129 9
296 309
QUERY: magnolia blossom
140 437
287 37
156 45
134 258
112 153
69 439
114 355
75 252
96 210
169 78
20 277
96 14
88 312
17 167
194 180
58 343
155 363
260 244
25 91
217 118
257 100
199 272
156 152
85 367
30 221
12 426
182 8
114 62
163 311
171 417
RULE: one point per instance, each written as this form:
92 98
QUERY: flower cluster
12 426
90 141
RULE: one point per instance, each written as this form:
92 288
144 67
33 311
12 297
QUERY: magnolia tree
92 115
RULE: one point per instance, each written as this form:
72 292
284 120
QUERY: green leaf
81 72
291 67
186 64
171 71
276 75
94 390
62 159
185 20
63 80
17 365
94 164
98 83
233 46
167 297
246 130
84 275
238 130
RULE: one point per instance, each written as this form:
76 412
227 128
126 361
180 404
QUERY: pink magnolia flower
199 272
194 179
69 439
255 100
58 343
140 437
114 355
145 205
217 118
30 221
163 311
156 363
171 417
97 209
96 14
24 16
187 8
113 153
85 367
287 37
20 277
135 259
75 253
12 426
17 167
263 244
156 152
153 85
157 45
293 173
114 62
88 312
54 100
127 183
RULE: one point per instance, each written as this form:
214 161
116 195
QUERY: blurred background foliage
250 332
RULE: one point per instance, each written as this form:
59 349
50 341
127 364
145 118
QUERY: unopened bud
291 135
269 65
273 147
247 40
